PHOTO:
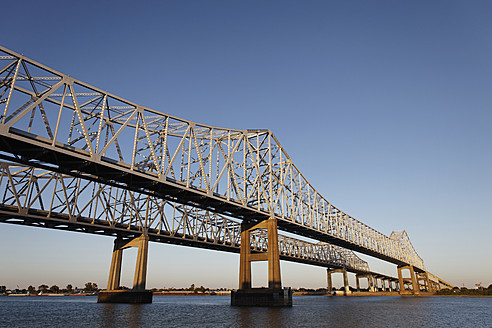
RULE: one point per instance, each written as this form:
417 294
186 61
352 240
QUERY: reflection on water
215 311
112 315
269 317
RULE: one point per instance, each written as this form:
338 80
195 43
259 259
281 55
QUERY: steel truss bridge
43 198
114 167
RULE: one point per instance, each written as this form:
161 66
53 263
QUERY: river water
215 311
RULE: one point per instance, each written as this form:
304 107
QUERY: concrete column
329 282
415 285
244 262
400 280
357 283
140 278
115 269
345 282
370 283
274 281
383 284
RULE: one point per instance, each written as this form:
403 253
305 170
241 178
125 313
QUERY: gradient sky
384 106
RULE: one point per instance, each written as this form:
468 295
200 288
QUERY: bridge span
52 121
43 198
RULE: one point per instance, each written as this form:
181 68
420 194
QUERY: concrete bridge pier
370 281
422 281
137 294
411 281
383 284
346 285
274 295
390 285
427 282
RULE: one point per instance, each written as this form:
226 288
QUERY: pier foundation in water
125 296
262 297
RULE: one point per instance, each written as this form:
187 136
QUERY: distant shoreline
359 294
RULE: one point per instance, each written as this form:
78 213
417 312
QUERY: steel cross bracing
40 197
50 118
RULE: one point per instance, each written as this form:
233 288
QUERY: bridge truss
244 174
43 198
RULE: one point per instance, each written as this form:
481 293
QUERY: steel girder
44 198
50 118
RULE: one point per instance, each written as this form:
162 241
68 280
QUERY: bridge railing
242 171
62 201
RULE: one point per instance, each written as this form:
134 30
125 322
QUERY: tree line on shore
90 287
465 291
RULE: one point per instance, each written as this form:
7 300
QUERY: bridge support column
115 269
437 286
357 283
370 283
329 282
390 285
274 295
345 282
138 294
412 280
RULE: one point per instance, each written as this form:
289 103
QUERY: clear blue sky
385 106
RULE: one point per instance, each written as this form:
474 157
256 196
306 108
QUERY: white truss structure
43 198
49 118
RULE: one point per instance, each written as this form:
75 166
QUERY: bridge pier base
138 294
274 295
262 297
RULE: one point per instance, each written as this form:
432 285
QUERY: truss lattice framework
59 201
52 118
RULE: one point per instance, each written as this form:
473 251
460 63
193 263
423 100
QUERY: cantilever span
243 173
48 119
